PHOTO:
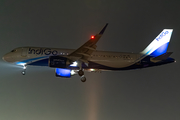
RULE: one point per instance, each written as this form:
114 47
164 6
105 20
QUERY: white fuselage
110 59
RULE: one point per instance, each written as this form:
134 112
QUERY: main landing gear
83 78
24 70
81 73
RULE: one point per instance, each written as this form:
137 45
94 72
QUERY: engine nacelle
63 72
58 62
67 73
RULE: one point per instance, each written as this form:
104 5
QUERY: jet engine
67 73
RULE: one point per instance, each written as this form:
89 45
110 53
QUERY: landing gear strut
24 70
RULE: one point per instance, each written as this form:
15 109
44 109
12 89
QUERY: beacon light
92 37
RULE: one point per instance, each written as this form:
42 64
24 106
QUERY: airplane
69 62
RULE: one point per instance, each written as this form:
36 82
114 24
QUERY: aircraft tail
159 45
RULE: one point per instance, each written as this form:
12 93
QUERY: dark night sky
147 94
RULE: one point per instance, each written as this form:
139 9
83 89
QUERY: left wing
84 52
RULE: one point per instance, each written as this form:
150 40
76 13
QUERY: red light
92 37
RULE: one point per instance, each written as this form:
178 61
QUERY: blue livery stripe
33 59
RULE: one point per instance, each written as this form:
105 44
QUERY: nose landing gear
24 70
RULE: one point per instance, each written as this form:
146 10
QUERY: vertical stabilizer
159 45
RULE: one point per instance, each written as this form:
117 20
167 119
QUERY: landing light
73 72
74 64
92 70
24 66
21 63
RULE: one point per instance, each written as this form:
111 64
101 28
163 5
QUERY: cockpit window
14 50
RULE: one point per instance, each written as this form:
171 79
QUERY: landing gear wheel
23 72
83 79
81 73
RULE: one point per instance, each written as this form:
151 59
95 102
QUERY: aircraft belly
114 63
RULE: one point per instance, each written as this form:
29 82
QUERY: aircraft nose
7 58
3 58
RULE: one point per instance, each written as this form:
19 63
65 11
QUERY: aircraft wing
84 52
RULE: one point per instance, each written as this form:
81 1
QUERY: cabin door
24 52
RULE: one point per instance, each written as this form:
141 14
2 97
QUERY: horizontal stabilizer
161 57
